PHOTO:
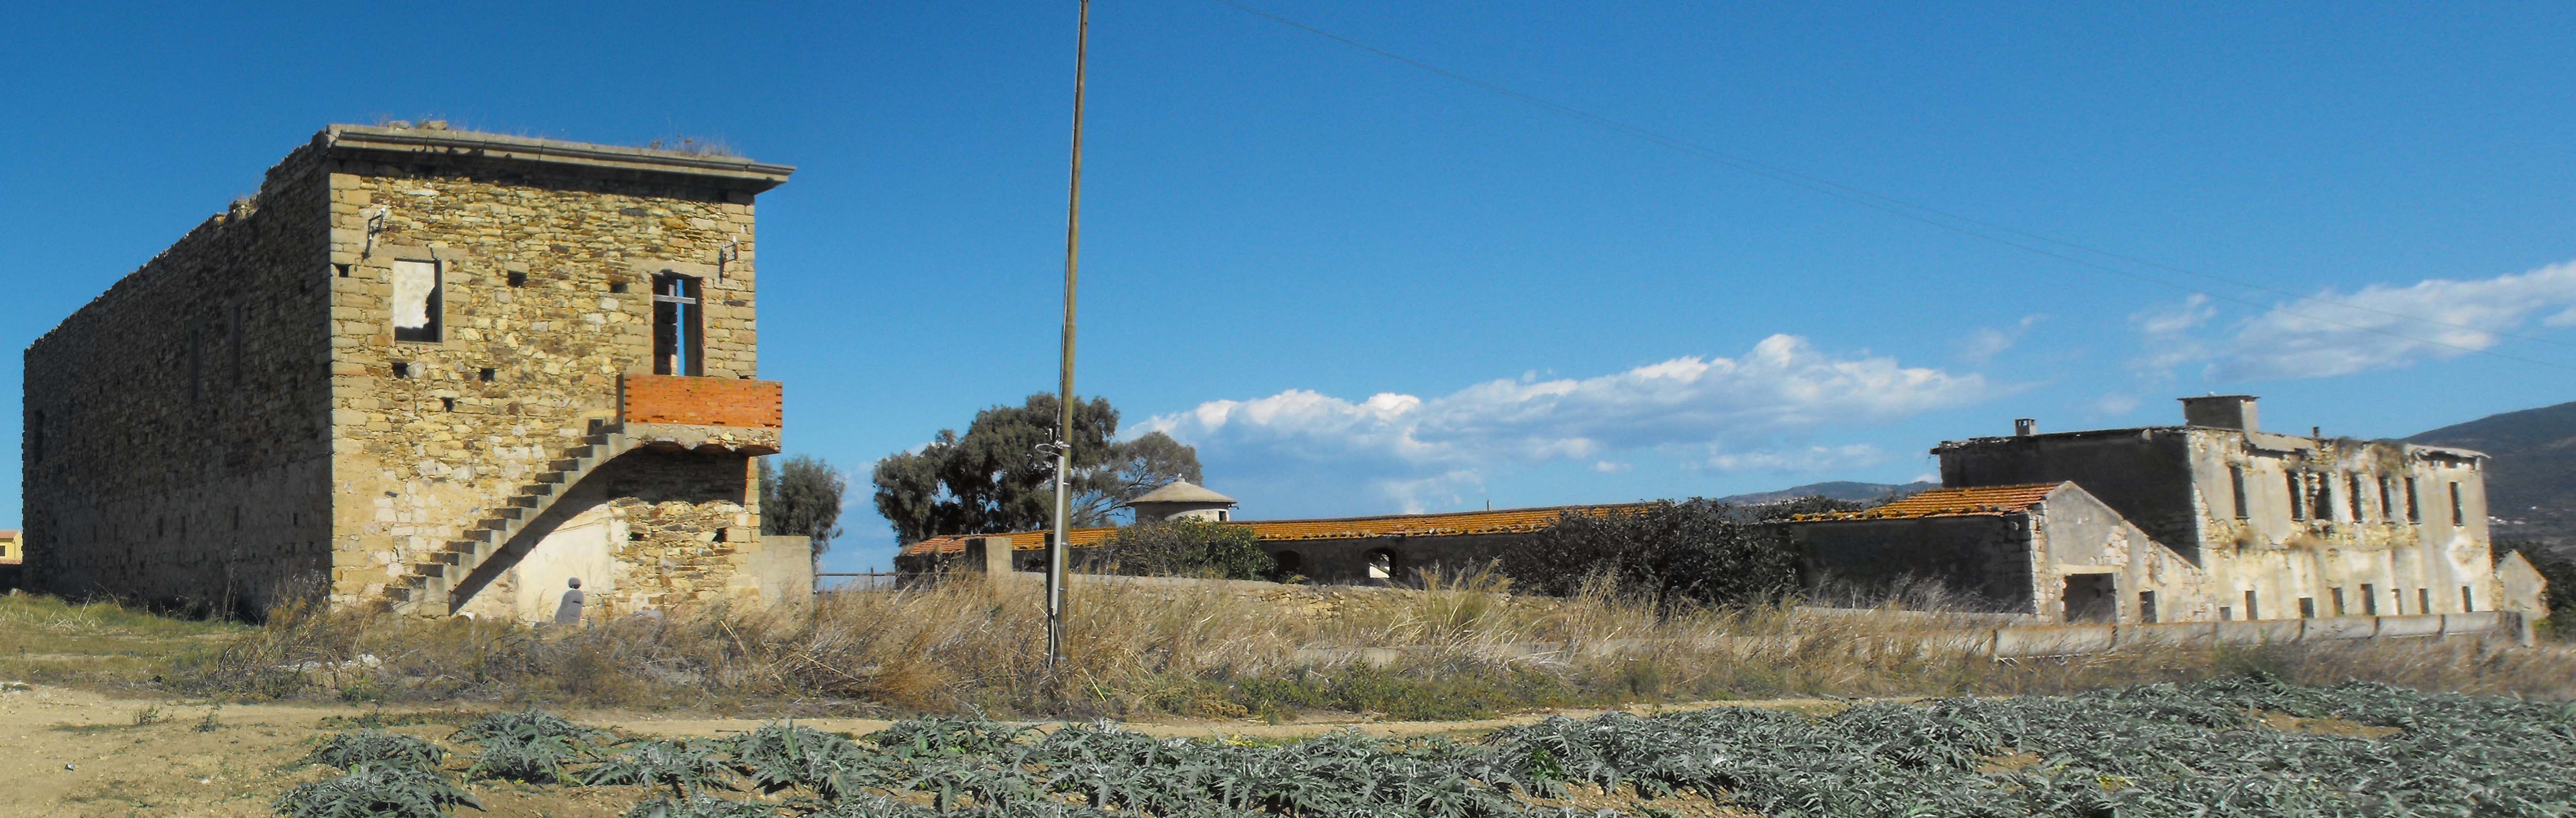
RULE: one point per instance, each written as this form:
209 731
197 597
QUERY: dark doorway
2092 598
677 319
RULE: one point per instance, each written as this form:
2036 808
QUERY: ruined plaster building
437 370
2213 519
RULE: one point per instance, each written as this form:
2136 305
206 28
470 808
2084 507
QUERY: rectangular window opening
2307 607
2337 594
2423 600
2353 496
2226 613
485 375
2369 600
2467 603
2325 506
2251 612
447 404
342 269
2147 607
402 370
418 292
518 278
678 320
2298 506
2414 511
2387 513
2459 511
617 286
2236 480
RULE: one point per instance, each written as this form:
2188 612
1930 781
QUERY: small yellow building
11 552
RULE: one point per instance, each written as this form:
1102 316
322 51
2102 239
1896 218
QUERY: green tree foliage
802 498
1697 551
995 479
1190 548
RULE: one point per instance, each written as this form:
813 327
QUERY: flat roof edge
731 172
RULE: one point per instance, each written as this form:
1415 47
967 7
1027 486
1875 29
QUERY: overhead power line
1933 216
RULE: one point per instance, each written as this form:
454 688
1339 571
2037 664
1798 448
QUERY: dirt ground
73 752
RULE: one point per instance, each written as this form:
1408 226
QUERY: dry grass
1462 647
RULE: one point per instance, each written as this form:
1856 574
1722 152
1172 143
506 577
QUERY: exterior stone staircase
424 591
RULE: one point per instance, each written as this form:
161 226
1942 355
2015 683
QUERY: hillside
1838 489
2531 483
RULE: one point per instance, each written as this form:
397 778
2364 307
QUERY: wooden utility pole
1057 544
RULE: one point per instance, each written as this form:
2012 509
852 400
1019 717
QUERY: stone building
437 370
2214 519
1182 499
1329 550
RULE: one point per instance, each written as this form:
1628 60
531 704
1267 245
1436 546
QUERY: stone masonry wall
547 286
177 426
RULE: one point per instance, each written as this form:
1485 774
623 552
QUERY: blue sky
1362 287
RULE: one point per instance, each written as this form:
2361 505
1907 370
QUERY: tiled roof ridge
1959 501
1443 524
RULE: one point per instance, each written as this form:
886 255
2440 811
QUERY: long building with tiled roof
1325 549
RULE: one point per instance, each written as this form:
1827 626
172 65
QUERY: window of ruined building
2226 613
2337 593
2251 612
2324 508
2352 495
2467 603
2459 512
2423 600
1286 564
677 322
2369 600
518 278
2307 607
2147 607
2387 513
2299 507
2414 512
2236 480
418 296
485 375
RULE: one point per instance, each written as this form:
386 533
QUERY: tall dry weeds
1459 644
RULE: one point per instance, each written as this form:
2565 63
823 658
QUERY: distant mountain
2531 483
1838 489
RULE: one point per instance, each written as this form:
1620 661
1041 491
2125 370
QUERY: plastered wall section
2340 539
177 426
422 454
646 532
2075 533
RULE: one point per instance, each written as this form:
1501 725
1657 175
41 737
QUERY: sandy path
78 753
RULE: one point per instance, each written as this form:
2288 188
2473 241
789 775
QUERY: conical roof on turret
1181 491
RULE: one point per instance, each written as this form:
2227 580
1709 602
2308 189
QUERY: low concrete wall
2033 641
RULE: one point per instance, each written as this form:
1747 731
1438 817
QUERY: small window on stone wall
518 278
2298 504
2236 479
485 375
418 292
402 370
2459 512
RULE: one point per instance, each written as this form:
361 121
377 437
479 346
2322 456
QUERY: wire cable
1908 210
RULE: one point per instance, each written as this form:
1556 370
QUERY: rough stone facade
2221 521
397 342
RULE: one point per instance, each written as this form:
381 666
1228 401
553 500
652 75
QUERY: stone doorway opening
2092 598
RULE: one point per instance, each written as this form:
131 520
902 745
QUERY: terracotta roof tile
1950 502
1501 521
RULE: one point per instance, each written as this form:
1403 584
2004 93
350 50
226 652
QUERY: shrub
1194 548
684 766
376 790
532 746
1695 551
350 749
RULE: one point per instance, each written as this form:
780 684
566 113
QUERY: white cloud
1809 460
1987 342
1609 467
2114 404
1740 406
2377 327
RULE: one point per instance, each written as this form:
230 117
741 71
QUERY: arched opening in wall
1381 564
1286 565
